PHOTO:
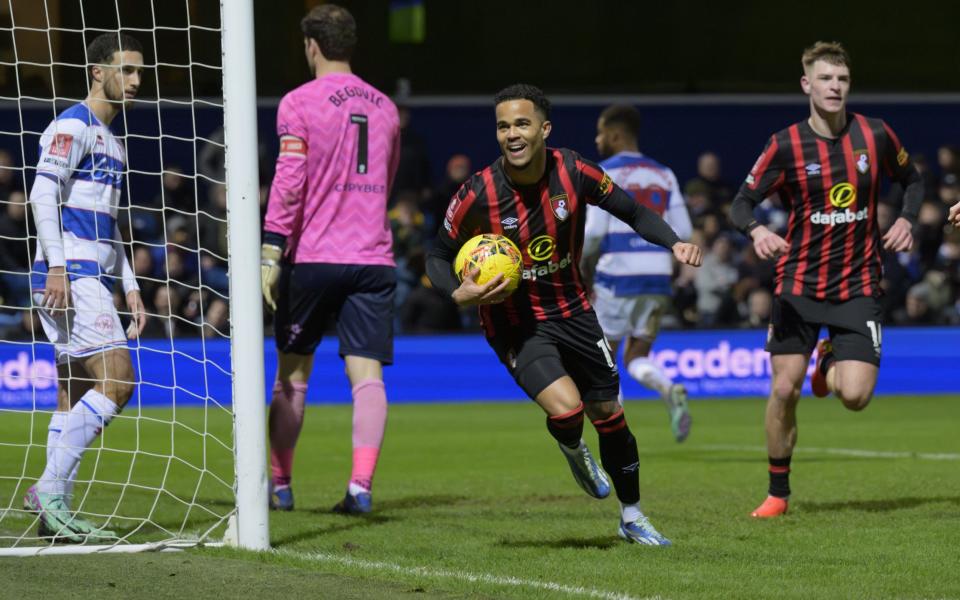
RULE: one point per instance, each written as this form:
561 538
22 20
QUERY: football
490 254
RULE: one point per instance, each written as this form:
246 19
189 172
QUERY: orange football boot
771 507
818 381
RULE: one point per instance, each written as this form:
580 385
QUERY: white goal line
842 452
386 567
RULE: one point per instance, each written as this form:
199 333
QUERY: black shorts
854 327
541 352
358 297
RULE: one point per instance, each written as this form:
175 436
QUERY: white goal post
184 463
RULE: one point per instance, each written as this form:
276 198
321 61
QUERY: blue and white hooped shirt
629 265
88 162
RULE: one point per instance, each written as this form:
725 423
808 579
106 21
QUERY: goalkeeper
327 248
79 258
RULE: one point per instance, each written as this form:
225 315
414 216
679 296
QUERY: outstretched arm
649 225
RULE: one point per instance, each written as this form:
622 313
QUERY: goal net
168 472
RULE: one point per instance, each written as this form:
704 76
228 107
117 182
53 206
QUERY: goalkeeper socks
369 424
780 477
81 426
568 427
649 375
286 420
618 453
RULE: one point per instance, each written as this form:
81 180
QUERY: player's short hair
624 116
334 30
100 50
525 91
831 52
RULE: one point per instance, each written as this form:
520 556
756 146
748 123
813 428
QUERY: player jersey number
361 122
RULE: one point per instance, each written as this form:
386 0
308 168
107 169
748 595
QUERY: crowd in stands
179 252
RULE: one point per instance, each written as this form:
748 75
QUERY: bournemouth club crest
560 207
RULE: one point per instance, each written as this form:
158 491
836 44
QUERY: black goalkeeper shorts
358 297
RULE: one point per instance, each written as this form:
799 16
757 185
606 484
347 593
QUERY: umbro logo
813 169
510 222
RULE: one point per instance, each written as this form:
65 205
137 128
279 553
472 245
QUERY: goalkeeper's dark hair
525 91
100 50
623 116
334 30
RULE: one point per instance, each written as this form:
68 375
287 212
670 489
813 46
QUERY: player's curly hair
334 30
100 50
831 52
624 116
525 91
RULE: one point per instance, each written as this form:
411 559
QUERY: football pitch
475 501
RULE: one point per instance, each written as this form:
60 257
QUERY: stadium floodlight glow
180 466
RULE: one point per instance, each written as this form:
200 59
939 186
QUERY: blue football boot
586 472
354 504
642 532
281 498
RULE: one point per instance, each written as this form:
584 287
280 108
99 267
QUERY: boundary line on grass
462 576
842 452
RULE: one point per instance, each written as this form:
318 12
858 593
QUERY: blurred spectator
177 191
949 191
216 323
427 309
917 310
458 170
719 192
9 175
406 224
759 306
15 249
165 321
713 281
413 170
948 159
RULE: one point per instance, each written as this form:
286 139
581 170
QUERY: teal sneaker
680 419
59 524
586 472
642 532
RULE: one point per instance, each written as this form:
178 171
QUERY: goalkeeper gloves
270 273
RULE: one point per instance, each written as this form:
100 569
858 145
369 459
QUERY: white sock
57 421
355 489
649 375
630 513
54 430
81 426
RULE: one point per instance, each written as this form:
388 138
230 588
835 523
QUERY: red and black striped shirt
830 187
546 221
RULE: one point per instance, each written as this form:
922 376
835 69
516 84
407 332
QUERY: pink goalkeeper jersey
329 193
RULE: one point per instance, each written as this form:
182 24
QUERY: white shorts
633 316
90 326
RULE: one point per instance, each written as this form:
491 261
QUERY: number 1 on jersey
361 122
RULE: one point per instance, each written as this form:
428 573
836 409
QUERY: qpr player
79 259
827 170
546 334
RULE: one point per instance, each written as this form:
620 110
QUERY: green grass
469 496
